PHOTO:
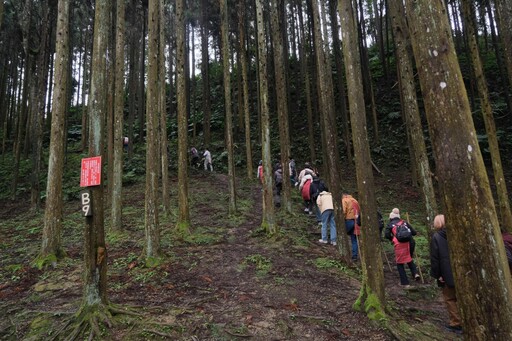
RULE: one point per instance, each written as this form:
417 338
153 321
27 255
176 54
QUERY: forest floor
226 281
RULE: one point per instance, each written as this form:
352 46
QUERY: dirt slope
227 281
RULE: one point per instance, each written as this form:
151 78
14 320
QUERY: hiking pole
418 262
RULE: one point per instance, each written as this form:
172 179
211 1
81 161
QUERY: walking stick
418 263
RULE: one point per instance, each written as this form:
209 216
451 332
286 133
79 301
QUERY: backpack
317 187
403 233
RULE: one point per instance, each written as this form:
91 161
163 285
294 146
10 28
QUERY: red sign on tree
91 172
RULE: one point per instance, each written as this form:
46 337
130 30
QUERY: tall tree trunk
142 71
39 105
51 247
476 248
205 73
268 221
468 13
183 222
328 127
504 11
505 76
227 103
11 104
305 73
111 66
245 84
1 12
151 250
282 102
117 166
166 195
95 252
411 110
372 295
22 119
133 69
85 90
367 74
342 96
380 37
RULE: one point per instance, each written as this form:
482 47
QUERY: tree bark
468 13
282 102
411 110
504 11
268 221
342 94
305 73
227 104
151 250
328 128
205 72
51 240
245 87
476 248
372 295
183 223
39 106
95 249
164 156
117 166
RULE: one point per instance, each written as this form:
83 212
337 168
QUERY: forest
109 231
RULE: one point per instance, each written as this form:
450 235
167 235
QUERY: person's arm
388 233
413 231
435 269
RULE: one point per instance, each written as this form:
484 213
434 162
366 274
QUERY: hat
260 163
395 213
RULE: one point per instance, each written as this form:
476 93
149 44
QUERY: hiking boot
417 277
333 243
321 241
306 210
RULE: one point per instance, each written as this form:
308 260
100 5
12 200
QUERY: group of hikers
195 159
318 201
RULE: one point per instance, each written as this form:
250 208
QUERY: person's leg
353 240
325 220
349 226
414 270
332 224
403 276
451 304
317 212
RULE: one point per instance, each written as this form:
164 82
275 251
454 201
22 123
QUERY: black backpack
402 233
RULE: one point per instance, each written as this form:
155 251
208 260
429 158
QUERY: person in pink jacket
326 207
403 249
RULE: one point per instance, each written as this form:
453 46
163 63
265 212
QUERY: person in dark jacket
441 270
404 251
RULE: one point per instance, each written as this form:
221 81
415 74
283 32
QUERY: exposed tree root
89 321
